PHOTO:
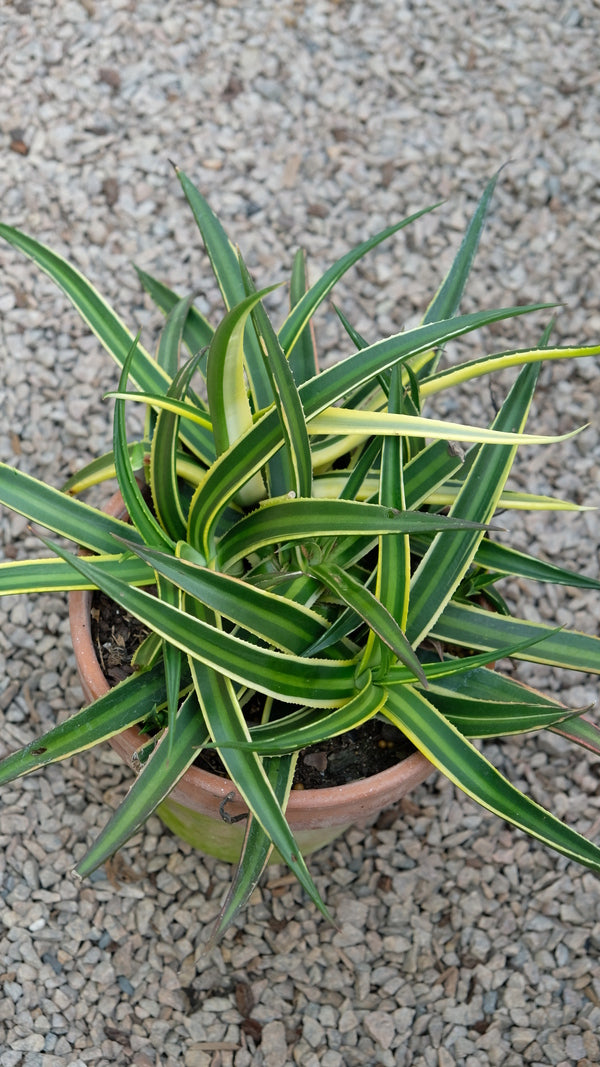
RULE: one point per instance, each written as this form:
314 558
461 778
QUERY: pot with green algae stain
208 813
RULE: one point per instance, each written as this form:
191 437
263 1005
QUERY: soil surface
359 753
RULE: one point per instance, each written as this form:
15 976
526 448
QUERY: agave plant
311 544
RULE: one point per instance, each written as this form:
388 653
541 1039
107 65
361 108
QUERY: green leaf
197 332
256 849
273 618
272 673
226 722
164 482
305 307
371 610
54 510
296 520
126 704
471 627
467 768
303 359
445 563
167 764
140 514
255 448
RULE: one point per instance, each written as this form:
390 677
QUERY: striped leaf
478 368
509 500
54 575
305 308
446 301
169 345
225 263
236 466
197 331
366 423
139 513
225 380
273 673
172 756
99 316
226 722
452 666
102 469
582 731
289 409
59 513
472 627
392 586
371 610
297 520
444 565
127 704
227 397
256 849
486 704
468 769
276 619
310 726
164 479
303 358
511 562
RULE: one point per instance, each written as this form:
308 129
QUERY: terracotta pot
316 816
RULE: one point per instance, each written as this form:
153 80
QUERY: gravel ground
460 941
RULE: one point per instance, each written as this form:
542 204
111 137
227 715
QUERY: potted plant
308 552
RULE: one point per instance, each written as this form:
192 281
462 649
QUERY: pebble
459 942
313 1032
381 1027
273 1044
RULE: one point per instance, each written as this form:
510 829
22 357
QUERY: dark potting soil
359 753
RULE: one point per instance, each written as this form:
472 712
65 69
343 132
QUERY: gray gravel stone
381 1028
274 1045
